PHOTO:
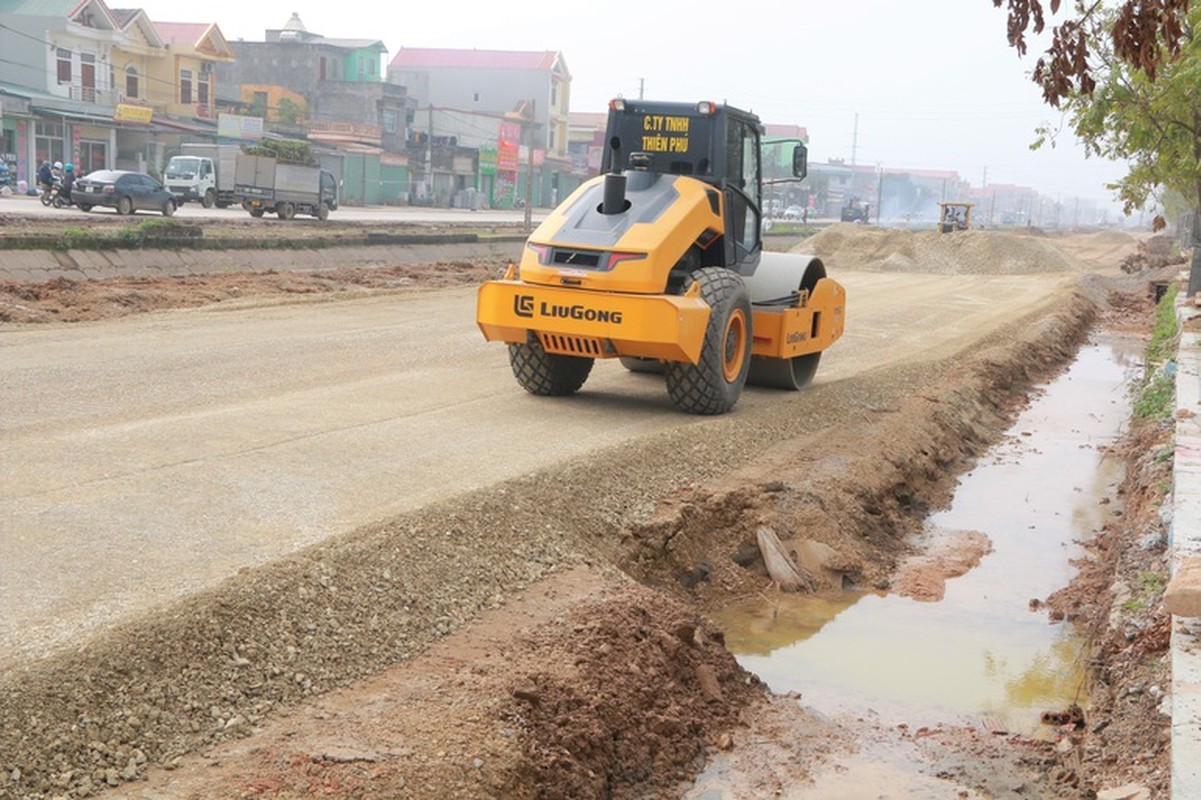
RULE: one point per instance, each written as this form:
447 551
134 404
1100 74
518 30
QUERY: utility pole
855 140
429 173
529 173
880 196
641 86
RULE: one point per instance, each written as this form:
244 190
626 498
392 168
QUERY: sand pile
850 246
1099 248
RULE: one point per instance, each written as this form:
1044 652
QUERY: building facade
502 100
98 87
332 92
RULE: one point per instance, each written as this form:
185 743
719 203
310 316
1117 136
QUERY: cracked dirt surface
544 634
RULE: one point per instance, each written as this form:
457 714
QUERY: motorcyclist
57 171
68 183
45 176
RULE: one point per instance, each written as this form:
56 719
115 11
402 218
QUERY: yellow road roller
659 261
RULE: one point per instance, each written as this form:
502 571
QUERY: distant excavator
856 211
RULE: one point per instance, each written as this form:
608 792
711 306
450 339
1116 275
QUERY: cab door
743 200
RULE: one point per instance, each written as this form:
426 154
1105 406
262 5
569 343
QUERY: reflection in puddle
980 651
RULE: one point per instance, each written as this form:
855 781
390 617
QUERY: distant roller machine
954 217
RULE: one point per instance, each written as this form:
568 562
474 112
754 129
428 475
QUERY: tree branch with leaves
1128 76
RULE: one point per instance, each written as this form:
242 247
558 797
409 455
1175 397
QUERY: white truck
263 183
203 173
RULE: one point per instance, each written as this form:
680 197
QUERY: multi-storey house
330 91
99 87
462 95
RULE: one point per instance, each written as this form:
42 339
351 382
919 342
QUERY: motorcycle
49 192
60 200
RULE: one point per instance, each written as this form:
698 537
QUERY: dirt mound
80 300
554 725
847 246
1100 248
865 507
1154 253
1110 238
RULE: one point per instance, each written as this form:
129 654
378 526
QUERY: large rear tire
714 384
547 374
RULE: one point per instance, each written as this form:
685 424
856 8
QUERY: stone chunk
1131 791
1183 595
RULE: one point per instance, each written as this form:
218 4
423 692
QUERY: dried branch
1146 34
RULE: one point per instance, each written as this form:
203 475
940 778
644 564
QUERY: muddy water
979 656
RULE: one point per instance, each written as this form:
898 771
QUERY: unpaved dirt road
287 548
152 456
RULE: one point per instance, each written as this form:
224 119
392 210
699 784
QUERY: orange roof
187 33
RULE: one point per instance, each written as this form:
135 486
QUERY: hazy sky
934 82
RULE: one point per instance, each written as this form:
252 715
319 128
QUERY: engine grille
559 344
588 259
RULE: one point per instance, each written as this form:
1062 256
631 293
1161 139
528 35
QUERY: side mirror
800 161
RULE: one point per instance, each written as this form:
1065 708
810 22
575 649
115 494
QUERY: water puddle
979 653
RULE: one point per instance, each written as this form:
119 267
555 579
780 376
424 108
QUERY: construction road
149 456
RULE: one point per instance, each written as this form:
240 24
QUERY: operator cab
717 144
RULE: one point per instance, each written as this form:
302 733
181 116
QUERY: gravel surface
544 636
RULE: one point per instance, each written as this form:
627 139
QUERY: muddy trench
210 668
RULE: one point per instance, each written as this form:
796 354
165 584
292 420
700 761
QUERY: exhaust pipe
615 183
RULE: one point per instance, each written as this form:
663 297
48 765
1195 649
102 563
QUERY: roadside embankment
38 266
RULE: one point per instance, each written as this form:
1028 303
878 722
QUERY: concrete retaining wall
1186 544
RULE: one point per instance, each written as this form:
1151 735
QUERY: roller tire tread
702 388
547 374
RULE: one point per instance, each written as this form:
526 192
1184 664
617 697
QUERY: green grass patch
1156 394
1147 586
1156 398
1167 330
1151 582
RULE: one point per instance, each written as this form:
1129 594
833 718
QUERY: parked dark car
125 191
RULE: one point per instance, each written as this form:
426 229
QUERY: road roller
658 261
